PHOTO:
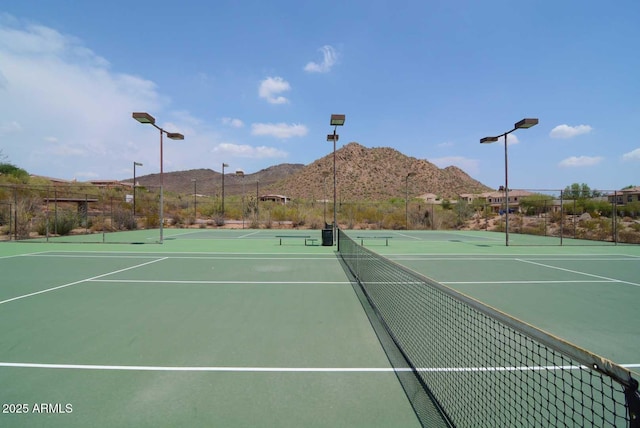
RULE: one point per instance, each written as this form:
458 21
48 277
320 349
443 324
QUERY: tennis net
481 367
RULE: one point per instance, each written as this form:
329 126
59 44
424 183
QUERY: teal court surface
237 328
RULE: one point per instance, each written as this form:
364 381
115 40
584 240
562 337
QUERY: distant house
110 184
429 198
275 198
496 200
470 197
625 196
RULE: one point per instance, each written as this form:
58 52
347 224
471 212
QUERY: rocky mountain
209 182
362 174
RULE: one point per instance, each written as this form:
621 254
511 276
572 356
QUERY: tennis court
242 328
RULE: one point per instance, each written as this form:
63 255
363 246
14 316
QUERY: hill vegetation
363 174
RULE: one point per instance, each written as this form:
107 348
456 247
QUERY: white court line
579 273
195 256
479 238
408 236
24 255
512 258
76 282
293 369
89 256
578 256
158 281
15 255
600 281
207 369
248 234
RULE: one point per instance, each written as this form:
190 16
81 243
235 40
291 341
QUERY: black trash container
327 236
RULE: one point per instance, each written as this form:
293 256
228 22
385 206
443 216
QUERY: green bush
62 224
123 219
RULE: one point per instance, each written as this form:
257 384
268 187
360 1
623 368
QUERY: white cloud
279 130
329 59
633 155
234 123
578 161
566 131
470 166
446 144
271 87
66 150
247 151
10 128
52 85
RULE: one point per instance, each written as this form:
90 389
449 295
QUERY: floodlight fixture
337 120
143 117
175 135
486 140
526 123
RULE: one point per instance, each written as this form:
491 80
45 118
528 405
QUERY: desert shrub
123 219
152 220
536 229
629 236
394 220
218 220
61 224
298 217
177 219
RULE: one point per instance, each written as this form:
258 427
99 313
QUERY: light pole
240 173
195 201
147 118
223 165
325 174
257 202
134 187
523 124
336 120
406 200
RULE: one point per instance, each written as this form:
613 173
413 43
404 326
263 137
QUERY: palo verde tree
10 170
579 191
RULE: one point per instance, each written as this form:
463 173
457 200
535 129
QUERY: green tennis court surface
230 328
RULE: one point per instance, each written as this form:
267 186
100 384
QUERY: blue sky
253 84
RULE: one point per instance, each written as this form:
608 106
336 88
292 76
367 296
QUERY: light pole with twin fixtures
523 124
336 120
147 118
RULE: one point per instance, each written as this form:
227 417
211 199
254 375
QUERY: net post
632 397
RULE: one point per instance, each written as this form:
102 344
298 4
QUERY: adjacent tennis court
245 328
